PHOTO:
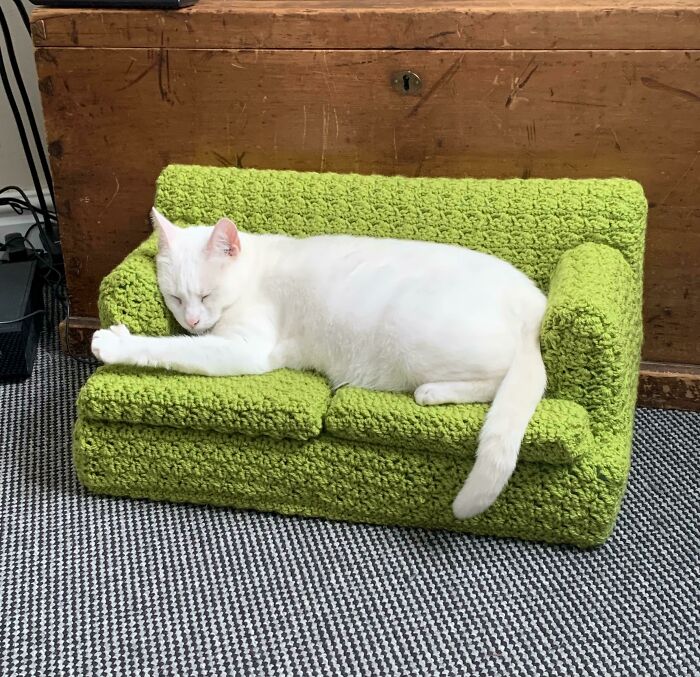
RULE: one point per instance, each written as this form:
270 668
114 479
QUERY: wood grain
372 24
116 117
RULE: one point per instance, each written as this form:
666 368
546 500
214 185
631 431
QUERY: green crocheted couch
284 442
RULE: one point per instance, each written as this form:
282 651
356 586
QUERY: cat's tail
503 431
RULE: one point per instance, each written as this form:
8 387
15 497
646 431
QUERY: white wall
13 166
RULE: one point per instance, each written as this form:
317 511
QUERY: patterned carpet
99 586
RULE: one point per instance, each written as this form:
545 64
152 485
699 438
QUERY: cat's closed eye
177 299
205 297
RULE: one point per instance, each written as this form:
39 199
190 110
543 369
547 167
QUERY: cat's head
192 266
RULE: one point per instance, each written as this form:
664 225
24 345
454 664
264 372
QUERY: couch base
357 482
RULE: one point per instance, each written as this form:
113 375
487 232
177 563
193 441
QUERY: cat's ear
225 239
166 230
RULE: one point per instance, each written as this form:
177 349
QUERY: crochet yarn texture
284 442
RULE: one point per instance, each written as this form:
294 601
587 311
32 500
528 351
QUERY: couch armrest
592 334
129 295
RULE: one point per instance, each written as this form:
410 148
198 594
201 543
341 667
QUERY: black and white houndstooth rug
101 586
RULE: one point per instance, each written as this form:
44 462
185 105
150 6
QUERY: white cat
441 321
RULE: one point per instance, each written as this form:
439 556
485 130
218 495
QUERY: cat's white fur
444 322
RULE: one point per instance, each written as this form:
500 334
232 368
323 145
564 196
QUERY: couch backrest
527 222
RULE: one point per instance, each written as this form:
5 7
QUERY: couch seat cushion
281 404
558 433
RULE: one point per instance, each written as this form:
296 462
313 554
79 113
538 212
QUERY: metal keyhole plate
406 82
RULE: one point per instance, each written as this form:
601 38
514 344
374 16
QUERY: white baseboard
11 222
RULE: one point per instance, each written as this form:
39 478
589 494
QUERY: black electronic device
116 4
21 313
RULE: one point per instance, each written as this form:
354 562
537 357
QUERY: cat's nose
192 320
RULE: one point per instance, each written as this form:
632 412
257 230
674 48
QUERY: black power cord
29 113
24 317
20 205
56 284
62 295
45 219
23 13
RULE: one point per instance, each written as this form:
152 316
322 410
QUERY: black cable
21 204
25 203
57 285
38 254
61 295
23 13
24 317
23 198
45 258
65 301
20 127
30 114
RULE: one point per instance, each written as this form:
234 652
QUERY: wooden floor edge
667 386
75 335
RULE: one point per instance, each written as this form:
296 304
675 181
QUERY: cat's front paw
111 345
427 394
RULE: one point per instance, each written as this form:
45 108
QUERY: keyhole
406 82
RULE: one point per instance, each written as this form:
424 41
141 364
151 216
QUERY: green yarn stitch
280 404
582 242
559 431
339 479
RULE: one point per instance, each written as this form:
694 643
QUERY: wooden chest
485 88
